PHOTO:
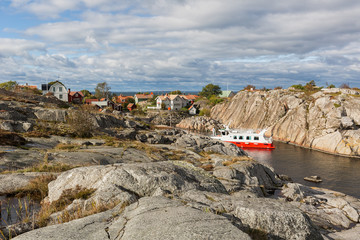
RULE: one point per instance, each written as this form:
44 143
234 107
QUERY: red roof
122 98
91 100
144 96
130 105
190 97
79 92
28 86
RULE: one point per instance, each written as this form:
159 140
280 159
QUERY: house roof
226 93
130 105
79 92
28 86
190 97
91 100
172 97
121 97
144 96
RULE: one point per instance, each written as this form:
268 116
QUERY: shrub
298 87
81 123
215 100
205 112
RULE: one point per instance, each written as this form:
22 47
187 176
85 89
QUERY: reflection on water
338 173
14 210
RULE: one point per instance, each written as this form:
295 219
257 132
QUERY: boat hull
253 145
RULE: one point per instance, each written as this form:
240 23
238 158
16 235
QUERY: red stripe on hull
253 145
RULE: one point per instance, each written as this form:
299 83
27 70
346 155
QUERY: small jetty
315 179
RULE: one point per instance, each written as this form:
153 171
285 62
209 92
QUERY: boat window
235 137
223 133
248 138
256 138
241 137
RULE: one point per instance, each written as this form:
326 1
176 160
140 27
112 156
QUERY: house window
60 96
53 89
256 138
60 89
248 138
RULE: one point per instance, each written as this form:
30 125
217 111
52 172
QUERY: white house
174 102
57 89
192 110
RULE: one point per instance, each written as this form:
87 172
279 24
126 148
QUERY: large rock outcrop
173 200
325 121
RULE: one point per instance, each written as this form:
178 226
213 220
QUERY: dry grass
37 189
44 167
66 198
67 147
207 167
234 160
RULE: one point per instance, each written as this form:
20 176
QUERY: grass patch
67 147
207 167
37 189
234 160
45 167
337 105
175 155
66 198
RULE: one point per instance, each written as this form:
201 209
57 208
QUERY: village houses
174 102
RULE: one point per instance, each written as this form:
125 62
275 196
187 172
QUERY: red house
75 97
131 106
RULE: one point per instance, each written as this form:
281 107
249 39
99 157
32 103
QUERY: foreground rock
325 121
164 218
178 200
328 209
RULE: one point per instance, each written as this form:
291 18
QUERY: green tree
331 86
298 86
310 85
210 90
10 85
86 93
102 90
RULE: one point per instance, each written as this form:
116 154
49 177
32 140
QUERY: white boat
245 138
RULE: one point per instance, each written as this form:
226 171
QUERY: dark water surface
15 210
338 173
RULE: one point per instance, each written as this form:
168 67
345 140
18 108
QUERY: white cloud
190 43
19 47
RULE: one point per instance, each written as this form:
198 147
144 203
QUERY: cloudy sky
147 45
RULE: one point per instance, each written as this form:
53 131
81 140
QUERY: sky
183 45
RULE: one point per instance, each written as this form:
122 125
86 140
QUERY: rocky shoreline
234 195
132 182
325 121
